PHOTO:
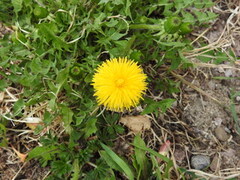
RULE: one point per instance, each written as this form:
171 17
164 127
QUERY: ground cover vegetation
52 54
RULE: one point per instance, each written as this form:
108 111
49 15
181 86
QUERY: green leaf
3 139
173 44
76 170
164 158
18 106
67 116
220 57
17 4
111 163
203 4
47 118
90 127
3 84
140 156
40 66
123 165
156 167
203 17
188 17
207 56
153 106
45 152
48 30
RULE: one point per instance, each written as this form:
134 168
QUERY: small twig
204 174
19 171
216 66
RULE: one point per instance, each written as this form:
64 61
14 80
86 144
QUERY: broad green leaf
123 165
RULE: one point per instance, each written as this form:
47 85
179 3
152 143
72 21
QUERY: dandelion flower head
119 84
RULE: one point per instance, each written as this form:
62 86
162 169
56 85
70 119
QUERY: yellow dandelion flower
119 84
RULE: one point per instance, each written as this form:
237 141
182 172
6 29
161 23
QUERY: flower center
119 82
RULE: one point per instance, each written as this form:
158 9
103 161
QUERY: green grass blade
124 166
164 158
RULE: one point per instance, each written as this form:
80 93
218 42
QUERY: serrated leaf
153 106
76 170
188 17
203 17
203 4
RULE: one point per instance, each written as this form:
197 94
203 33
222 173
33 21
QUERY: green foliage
141 162
50 38
215 56
113 159
3 139
152 106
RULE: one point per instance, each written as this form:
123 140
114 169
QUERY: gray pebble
200 161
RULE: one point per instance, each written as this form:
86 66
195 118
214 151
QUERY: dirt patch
211 122
11 168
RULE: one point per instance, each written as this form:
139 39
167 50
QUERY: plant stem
146 26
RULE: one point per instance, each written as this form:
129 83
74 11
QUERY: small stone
215 164
221 134
200 161
238 98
